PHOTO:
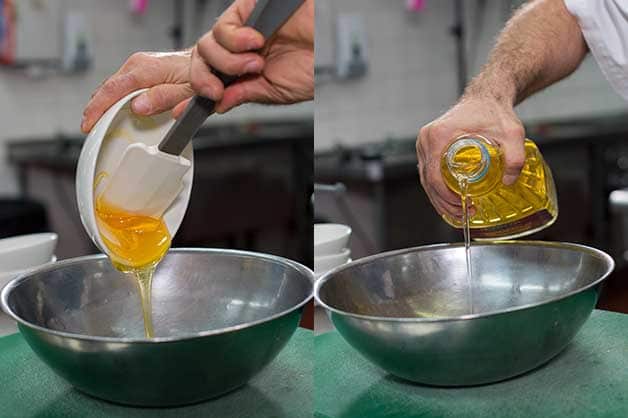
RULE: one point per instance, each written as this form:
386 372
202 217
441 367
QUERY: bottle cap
468 159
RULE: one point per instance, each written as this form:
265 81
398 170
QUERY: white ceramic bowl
7 324
330 238
320 274
7 276
25 251
325 263
103 150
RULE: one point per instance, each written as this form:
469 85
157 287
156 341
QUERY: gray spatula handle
267 17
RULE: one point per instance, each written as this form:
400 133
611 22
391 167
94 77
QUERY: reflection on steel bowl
409 311
220 316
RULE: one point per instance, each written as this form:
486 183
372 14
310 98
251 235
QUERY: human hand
477 114
165 74
281 72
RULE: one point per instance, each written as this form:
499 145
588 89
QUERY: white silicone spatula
148 178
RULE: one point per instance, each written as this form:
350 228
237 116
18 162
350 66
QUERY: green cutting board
28 388
589 379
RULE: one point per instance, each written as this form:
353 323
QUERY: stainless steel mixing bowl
409 311
220 316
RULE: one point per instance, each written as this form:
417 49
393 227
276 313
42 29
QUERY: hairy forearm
539 46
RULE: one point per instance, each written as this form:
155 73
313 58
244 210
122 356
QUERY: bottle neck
468 159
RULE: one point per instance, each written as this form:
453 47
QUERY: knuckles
514 131
515 162
205 44
111 86
158 98
198 84
437 132
232 66
219 32
138 59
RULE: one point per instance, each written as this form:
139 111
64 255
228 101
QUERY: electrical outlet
351 48
76 43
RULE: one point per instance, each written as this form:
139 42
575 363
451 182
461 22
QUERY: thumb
178 109
514 155
160 98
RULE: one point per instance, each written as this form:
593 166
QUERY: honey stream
136 244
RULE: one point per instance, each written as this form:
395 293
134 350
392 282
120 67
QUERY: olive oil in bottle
501 212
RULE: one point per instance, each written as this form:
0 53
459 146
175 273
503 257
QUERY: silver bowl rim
4 295
566 245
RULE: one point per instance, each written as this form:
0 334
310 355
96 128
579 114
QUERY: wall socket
351 48
76 43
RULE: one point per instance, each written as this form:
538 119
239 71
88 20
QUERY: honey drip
144 282
136 244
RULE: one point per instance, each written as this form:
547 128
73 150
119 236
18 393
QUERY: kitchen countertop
7 325
396 157
589 379
28 388
62 151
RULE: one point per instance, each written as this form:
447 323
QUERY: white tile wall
412 75
411 80
32 108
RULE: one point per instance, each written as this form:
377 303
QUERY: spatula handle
267 17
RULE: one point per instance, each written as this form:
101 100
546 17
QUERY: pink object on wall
7 31
139 7
415 5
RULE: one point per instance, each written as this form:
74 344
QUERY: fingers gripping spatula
149 178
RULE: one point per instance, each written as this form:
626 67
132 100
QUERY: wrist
496 87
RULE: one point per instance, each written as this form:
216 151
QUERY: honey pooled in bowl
136 244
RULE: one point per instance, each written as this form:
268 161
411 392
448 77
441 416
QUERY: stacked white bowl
330 246
24 252
18 255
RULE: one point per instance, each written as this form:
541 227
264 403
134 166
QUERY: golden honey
136 243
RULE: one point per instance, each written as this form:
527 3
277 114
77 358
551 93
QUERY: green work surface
589 379
28 388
